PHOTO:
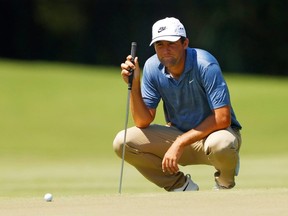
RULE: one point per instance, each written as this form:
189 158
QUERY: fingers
129 65
136 63
171 158
169 165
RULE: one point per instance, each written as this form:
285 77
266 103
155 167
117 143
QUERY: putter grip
133 54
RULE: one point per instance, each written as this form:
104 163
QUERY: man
201 124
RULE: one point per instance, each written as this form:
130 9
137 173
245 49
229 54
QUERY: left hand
171 158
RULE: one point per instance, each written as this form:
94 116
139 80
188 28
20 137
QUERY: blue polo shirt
187 101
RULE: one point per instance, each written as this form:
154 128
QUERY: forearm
218 120
142 116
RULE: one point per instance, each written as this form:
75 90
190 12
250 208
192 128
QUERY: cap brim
165 38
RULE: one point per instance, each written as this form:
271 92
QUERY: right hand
129 65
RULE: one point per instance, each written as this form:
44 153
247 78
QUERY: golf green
57 125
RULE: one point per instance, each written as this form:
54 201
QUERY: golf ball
48 197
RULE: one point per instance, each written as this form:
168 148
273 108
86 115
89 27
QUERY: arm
141 114
219 119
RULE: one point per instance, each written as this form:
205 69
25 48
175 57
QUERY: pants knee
118 143
221 143
222 153
221 148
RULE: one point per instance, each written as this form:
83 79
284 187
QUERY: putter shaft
133 54
124 143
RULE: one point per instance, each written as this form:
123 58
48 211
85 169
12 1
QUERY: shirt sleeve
215 86
150 94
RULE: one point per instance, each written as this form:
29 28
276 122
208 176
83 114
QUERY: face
169 53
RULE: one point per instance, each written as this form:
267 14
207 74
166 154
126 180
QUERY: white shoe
188 186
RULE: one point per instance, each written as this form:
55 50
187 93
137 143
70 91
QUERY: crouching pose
201 126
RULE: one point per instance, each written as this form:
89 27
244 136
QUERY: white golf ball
48 197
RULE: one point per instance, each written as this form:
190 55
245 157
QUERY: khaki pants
145 149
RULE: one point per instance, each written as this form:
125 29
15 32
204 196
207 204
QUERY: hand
129 65
171 158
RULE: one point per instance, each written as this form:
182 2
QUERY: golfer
201 126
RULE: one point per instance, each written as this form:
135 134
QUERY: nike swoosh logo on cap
161 29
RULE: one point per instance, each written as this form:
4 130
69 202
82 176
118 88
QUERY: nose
166 49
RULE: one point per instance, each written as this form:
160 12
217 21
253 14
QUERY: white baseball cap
168 29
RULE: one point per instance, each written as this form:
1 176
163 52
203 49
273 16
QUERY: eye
172 43
159 44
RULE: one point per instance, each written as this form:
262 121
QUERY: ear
186 43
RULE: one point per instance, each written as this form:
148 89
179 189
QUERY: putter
130 80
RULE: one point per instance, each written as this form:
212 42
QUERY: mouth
167 60
167 56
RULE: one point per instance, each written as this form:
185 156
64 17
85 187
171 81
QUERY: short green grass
234 202
59 110
261 104
58 121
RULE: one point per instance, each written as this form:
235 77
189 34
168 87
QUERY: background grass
58 121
